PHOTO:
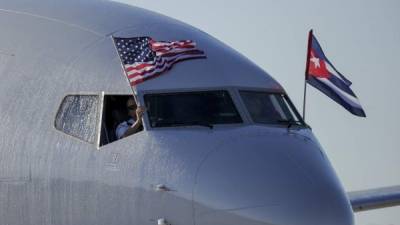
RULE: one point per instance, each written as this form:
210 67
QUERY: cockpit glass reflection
270 108
205 108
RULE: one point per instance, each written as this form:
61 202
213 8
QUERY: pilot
134 123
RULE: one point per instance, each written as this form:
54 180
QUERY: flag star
315 60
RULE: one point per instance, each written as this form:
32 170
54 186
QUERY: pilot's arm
135 127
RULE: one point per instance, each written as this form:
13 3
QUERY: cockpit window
205 108
270 108
78 116
97 119
116 118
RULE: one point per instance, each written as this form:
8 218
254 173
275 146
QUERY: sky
361 38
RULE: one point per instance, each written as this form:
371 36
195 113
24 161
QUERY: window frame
233 91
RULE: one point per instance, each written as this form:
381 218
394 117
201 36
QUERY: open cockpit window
203 108
270 108
94 118
78 116
116 117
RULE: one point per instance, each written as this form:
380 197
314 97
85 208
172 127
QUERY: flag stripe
161 67
167 43
352 100
358 111
157 64
172 54
142 79
341 85
129 68
162 63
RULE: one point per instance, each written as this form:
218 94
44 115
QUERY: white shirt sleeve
122 127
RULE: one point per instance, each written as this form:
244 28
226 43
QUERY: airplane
207 154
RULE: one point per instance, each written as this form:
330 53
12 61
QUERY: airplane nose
283 179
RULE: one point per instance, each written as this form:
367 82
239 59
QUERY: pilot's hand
139 112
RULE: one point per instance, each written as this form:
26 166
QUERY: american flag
144 58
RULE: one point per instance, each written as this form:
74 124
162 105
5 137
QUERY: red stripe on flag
138 81
160 63
174 48
138 67
193 52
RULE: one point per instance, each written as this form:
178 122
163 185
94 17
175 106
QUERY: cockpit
94 118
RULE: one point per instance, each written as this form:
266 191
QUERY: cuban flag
321 74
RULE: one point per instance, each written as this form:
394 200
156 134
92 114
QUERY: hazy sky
361 38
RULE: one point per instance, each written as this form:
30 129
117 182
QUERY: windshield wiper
183 123
201 123
289 122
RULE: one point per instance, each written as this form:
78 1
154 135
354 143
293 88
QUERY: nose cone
283 179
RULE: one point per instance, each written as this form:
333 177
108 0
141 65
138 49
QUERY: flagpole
304 100
126 75
310 33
